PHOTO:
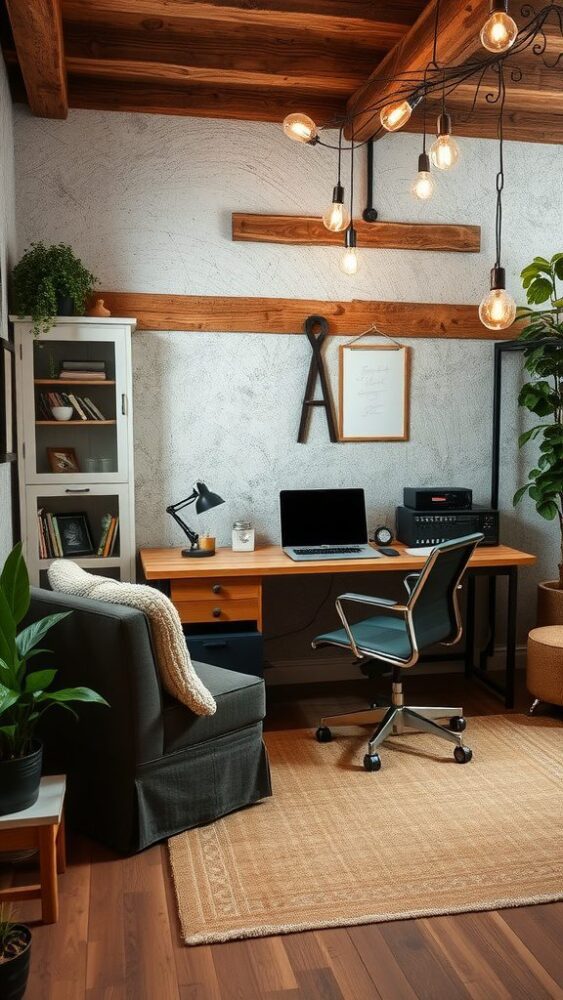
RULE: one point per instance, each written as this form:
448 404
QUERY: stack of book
83 371
108 538
49 536
83 405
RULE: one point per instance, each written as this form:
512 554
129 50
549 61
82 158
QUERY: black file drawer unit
240 651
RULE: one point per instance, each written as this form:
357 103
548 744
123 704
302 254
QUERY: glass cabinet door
75 399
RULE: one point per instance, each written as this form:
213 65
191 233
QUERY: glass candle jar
243 536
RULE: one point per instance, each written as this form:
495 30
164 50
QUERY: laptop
324 524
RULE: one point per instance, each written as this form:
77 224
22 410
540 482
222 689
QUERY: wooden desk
227 587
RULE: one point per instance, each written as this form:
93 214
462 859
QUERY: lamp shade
206 499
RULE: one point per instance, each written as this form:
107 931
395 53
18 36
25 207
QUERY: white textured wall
7 253
146 201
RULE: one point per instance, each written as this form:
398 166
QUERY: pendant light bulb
445 150
394 116
300 128
499 31
423 185
498 309
349 262
337 217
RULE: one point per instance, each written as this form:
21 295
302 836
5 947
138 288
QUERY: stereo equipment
437 498
426 527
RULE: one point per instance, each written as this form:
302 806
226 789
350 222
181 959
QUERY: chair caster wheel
323 734
458 724
463 755
372 762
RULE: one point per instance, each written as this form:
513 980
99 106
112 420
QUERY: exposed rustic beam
154 72
38 35
233 314
459 27
306 231
522 126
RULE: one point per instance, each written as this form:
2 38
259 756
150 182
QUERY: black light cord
500 174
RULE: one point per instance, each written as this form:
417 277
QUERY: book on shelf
84 407
106 522
108 535
82 376
86 366
98 415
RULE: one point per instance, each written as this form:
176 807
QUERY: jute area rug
336 846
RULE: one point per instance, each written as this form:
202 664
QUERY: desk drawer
218 611
218 590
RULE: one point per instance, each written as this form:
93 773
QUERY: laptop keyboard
336 550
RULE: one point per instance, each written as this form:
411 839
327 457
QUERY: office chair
397 636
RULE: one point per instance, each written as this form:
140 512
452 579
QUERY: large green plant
542 395
45 274
25 695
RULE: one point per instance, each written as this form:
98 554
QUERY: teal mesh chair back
434 600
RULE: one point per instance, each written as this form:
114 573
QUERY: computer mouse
388 552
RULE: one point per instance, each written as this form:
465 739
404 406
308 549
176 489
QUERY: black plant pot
19 781
14 972
65 305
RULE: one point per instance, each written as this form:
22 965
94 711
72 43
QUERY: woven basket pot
550 604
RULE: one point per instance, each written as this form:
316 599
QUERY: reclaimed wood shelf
303 230
75 423
70 381
241 314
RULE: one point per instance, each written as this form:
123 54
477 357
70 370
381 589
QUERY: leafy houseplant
542 395
44 278
25 695
15 948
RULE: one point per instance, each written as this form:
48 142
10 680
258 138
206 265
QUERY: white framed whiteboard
374 392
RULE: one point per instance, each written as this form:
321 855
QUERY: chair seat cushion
240 698
384 633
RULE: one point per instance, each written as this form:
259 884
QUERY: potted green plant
542 395
15 953
50 281
25 695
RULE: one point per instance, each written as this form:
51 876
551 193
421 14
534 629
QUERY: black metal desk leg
470 626
511 636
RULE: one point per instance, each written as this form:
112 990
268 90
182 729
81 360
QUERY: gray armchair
147 767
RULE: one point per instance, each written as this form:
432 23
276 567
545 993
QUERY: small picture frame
7 407
63 460
76 537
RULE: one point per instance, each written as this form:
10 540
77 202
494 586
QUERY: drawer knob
216 612
216 588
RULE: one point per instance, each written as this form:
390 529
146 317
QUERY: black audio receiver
427 527
425 498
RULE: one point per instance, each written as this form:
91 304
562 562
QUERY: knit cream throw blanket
176 669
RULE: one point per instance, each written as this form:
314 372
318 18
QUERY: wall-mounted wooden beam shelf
238 314
302 230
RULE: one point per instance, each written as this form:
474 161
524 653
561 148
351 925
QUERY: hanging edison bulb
394 116
300 127
498 309
349 261
445 150
499 31
423 185
337 217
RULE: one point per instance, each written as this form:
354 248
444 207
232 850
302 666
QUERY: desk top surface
270 560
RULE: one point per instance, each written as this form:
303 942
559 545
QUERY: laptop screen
323 517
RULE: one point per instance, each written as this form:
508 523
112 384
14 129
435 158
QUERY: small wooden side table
41 827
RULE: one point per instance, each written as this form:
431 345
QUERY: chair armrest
377 602
410 582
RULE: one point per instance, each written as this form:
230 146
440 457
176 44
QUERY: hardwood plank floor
118 936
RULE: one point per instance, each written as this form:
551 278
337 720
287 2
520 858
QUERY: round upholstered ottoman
544 674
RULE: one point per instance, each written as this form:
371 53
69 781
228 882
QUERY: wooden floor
118 936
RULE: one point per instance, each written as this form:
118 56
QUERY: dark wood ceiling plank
384 11
458 40
38 35
521 126
300 230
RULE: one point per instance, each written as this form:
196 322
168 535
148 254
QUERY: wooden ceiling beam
458 40
521 126
38 36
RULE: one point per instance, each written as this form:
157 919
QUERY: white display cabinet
84 465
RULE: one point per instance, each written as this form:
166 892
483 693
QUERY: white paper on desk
425 550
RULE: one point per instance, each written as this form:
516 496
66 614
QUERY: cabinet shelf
111 562
74 423
69 381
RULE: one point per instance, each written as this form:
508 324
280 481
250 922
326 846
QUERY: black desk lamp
204 500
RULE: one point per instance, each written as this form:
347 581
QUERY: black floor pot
65 305
19 781
14 972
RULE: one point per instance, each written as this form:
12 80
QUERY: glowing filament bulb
499 31
349 261
394 116
337 217
423 185
498 309
300 127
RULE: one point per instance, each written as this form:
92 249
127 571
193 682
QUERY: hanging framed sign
374 391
